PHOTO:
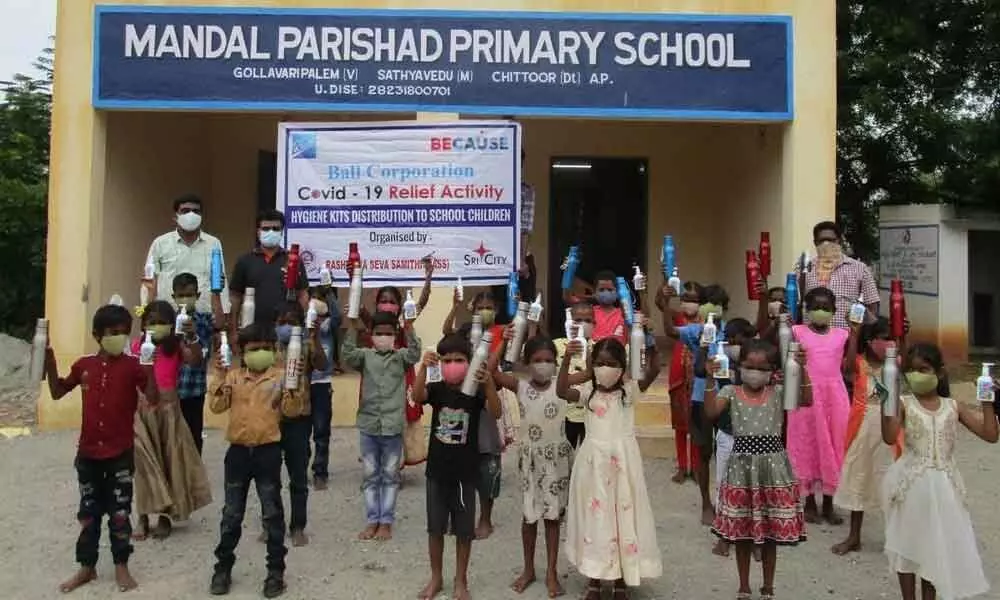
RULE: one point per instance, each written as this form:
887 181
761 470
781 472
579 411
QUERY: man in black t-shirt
453 455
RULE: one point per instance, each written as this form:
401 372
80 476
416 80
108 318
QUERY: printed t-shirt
453 454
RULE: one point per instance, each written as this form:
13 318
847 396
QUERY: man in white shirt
186 249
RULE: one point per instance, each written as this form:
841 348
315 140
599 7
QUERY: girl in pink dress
817 434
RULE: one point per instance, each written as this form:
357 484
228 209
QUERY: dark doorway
267 179
600 205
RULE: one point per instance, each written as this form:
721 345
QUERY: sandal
766 595
744 596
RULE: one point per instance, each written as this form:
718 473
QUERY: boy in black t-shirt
453 456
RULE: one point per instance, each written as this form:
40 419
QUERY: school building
711 120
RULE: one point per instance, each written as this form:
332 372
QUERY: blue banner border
548 111
282 204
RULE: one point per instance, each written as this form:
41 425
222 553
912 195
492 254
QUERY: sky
25 27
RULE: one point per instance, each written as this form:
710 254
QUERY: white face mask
754 379
586 330
773 309
269 239
189 221
542 372
607 377
383 343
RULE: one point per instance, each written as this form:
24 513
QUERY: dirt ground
40 495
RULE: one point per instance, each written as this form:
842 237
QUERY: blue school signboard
548 64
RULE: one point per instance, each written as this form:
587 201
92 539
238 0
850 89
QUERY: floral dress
759 497
928 530
610 530
544 456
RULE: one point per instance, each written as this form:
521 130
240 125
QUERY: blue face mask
607 297
284 333
269 239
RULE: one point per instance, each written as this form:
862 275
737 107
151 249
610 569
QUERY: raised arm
715 401
220 388
504 380
448 327
493 405
411 353
418 395
983 425
652 367
425 293
350 353
563 387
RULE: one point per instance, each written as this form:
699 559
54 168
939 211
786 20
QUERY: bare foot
82 577
461 591
483 530
679 476
262 537
847 546
553 585
721 548
141 529
431 590
320 483
162 529
124 579
368 532
383 533
811 515
832 518
523 581
299 538
707 516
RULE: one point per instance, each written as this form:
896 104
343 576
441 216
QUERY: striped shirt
849 280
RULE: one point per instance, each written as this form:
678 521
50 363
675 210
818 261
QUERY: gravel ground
40 495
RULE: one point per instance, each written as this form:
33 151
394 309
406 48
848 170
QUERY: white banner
403 191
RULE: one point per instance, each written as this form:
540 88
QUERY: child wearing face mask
191 387
817 434
111 382
759 496
681 380
380 420
254 395
170 479
610 532
867 458
609 319
484 305
583 317
928 531
769 308
739 332
453 457
296 421
716 302
389 299
544 457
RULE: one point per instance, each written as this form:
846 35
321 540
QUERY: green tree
917 108
25 124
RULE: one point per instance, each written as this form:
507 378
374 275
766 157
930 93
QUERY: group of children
578 458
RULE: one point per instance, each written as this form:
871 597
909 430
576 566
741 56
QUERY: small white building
947 260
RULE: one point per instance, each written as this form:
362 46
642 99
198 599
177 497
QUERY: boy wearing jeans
254 396
321 392
380 415
110 382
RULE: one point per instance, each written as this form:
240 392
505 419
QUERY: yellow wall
114 174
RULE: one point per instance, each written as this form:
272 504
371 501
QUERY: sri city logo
484 257
303 145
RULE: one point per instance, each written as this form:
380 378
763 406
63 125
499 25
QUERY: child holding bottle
609 318
817 434
928 531
610 532
296 421
681 381
453 457
867 458
105 457
170 479
544 457
759 496
582 313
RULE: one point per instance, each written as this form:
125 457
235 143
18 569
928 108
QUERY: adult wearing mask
263 269
849 279
186 249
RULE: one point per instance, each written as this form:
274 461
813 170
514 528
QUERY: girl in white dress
610 533
544 457
928 532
